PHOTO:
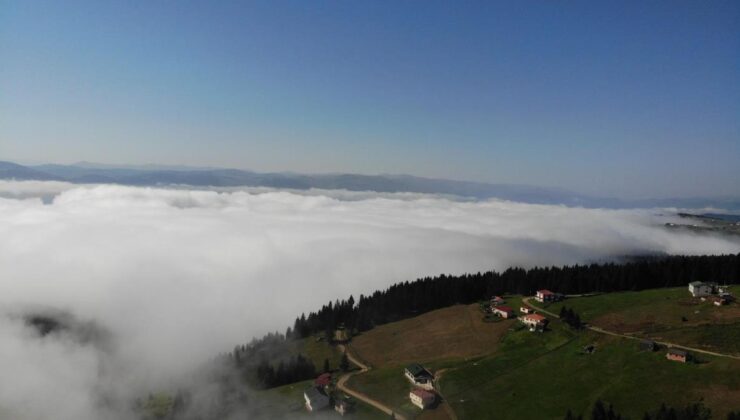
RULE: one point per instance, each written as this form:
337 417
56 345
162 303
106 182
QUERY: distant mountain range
150 175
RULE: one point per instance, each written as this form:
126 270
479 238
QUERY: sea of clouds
174 276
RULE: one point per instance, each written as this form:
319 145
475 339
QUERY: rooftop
313 393
535 317
424 394
416 369
678 352
323 379
545 292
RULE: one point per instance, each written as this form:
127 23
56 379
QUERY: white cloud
177 276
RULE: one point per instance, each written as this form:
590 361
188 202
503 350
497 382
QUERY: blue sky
634 99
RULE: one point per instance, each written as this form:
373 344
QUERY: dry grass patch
448 333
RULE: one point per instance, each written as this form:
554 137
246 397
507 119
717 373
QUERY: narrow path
342 385
445 405
632 337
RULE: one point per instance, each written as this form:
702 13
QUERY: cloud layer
176 276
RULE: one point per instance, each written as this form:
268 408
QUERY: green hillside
529 375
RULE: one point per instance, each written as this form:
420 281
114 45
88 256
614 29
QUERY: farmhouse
503 311
422 398
497 300
419 376
534 321
526 310
545 296
677 355
315 399
698 289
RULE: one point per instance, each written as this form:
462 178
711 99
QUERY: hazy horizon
184 167
627 100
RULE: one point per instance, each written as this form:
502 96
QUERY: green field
387 385
318 351
663 314
287 402
542 375
542 385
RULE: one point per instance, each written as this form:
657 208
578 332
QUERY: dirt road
342 385
526 301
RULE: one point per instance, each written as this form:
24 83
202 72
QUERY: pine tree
598 412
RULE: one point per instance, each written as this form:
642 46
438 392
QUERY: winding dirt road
342 385
632 337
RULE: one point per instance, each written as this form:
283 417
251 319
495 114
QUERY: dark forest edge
696 411
267 362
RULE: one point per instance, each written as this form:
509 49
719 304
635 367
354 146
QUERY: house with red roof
422 398
497 300
545 295
503 311
535 322
677 355
323 380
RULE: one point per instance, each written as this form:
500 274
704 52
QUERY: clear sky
622 98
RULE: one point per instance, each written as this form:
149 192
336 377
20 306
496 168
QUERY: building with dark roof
315 399
418 375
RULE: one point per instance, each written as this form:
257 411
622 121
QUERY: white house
419 376
545 296
422 398
698 289
503 311
534 321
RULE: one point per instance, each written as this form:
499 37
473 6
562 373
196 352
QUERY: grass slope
500 370
663 314
286 402
544 385
456 332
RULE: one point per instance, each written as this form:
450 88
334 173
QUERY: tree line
408 299
272 360
570 317
695 411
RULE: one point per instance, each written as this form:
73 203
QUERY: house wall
701 290
676 358
416 400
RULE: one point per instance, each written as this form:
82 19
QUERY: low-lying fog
157 281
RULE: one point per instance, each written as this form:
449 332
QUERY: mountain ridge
150 175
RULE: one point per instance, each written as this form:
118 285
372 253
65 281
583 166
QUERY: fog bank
175 276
